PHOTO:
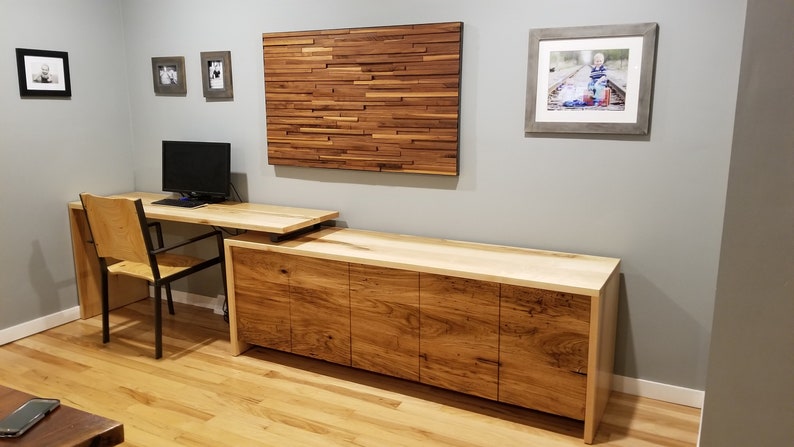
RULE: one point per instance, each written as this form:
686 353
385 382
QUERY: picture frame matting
43 73
216 74
592 79
168 75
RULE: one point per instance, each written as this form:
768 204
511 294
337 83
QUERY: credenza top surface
549 270
245 216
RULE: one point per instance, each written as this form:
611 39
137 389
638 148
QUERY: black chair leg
158 323
169 299
105 306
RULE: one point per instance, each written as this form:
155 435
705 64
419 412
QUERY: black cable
239 199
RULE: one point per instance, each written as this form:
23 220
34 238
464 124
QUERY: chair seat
168 263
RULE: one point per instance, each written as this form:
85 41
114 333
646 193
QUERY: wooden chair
124 245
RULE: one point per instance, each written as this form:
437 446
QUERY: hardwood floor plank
200 395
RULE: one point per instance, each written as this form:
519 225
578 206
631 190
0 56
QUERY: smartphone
24 417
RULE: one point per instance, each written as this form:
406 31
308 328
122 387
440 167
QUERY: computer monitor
200 170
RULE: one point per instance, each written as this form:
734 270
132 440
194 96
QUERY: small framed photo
43 73
593 79
216 74
168 75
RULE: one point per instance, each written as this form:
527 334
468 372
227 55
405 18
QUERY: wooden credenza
526 327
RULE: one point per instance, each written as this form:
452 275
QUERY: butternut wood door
459 335
384 320
544 347
261 290
320 309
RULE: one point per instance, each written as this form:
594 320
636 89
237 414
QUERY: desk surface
64 426
244 216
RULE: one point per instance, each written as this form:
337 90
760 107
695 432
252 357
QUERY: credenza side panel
459 334
261 297
544 350
320 308
384 320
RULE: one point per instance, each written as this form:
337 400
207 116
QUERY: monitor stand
205 198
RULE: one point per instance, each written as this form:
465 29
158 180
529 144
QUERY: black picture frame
216 74
554 103
43 73
169 76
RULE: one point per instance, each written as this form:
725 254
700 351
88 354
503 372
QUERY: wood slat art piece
372 99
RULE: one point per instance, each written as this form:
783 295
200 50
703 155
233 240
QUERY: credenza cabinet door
384 320
261 288
459 339
544 348
320 309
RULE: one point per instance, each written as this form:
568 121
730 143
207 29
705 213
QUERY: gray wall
655 202
51 149
750 387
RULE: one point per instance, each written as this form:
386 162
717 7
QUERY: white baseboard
629 385
216 304
659 391
39 324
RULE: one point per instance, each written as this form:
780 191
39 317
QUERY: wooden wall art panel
372 99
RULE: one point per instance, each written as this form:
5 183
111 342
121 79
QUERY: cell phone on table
26 416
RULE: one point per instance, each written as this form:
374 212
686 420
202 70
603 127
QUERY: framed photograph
43 73
168 75
593 79
216 74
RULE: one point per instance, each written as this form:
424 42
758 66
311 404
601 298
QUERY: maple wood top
562 272
244 216
64 426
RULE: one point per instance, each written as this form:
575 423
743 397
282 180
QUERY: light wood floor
199 395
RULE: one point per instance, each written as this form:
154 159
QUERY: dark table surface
66 426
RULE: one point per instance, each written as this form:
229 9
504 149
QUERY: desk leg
123 289
238 345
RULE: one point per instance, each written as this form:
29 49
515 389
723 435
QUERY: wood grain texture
459 334
369 99
262 301
66 426
544 350
603 333
542 269
123 289
199 395
384 320
320 309
262 217
567 352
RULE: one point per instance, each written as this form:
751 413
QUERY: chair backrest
118 227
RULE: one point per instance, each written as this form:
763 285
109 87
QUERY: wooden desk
65 426
271 219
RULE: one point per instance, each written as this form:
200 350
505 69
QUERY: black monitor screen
198 169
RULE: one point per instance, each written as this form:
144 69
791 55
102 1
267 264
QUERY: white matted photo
168 76
590 79
216 75
43 73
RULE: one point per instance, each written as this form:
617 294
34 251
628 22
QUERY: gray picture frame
633 119
216 74
169 76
